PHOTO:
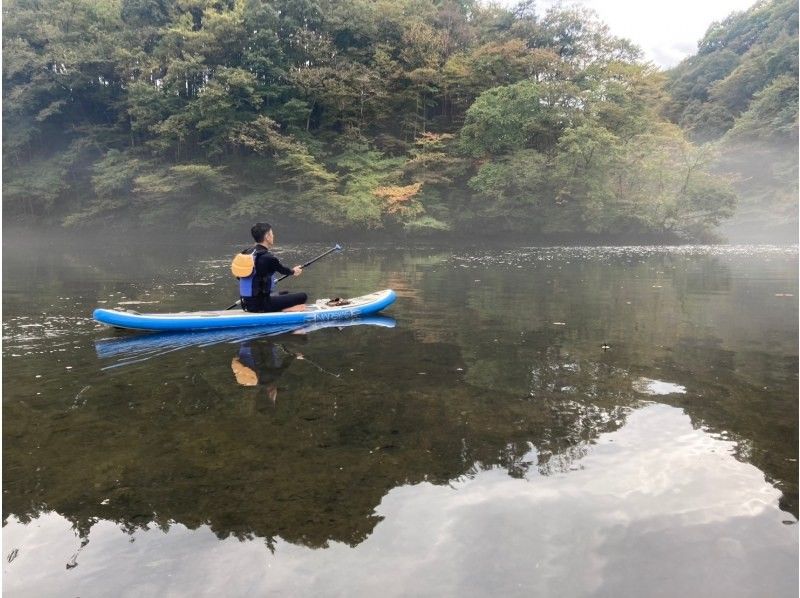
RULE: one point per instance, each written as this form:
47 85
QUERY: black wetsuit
267 265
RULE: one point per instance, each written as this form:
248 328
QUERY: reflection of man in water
261 364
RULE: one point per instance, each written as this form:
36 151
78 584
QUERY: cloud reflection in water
655 508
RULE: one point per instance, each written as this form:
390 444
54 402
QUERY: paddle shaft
308 263
304 358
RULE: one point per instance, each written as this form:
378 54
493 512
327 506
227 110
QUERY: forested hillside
415 115
740 93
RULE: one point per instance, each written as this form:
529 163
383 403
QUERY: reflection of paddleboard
207 320
381 321
149 345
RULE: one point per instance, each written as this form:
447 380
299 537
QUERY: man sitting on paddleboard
255 289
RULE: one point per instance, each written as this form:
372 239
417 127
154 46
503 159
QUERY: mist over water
765 176
523 420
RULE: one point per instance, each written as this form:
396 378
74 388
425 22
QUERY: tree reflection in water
169 436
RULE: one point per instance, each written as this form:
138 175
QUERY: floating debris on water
135 302
530 256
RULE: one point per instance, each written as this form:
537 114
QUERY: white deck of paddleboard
319 306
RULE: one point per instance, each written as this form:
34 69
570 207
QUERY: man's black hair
259 231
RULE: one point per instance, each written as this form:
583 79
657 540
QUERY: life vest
244 268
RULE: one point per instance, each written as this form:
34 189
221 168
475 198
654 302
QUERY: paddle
301 357
337 247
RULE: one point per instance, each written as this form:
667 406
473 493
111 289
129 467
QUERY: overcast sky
667 32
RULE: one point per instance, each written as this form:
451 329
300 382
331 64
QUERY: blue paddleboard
207 320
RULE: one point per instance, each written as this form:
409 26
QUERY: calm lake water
475 440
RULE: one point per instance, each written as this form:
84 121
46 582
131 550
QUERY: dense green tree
417 114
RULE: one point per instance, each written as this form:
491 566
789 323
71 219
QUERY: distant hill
739 95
